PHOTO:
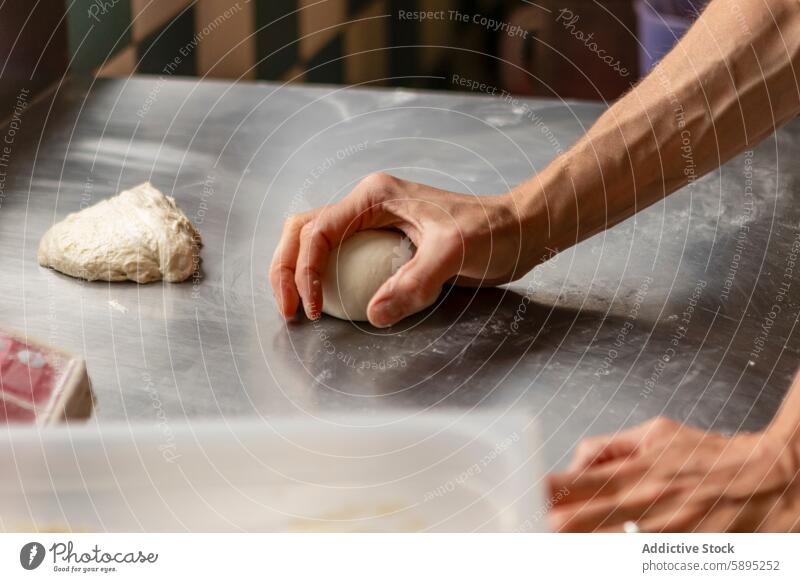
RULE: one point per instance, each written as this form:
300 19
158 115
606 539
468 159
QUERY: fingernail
313 311
386 313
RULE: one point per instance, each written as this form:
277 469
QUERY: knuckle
295 222
314 236
586 447
661 425
308 231
306 270
377 189
379 181
303 277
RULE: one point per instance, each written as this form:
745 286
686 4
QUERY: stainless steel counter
668 313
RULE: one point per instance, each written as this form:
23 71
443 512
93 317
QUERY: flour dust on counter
140 235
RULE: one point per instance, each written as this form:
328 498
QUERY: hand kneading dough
139 235
358 268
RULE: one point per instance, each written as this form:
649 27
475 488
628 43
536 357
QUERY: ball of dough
358 268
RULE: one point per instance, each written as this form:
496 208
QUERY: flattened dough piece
140 235
358 268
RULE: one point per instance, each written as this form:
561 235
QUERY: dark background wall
33 38
516 45
565 48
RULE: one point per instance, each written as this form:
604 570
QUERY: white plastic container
423 472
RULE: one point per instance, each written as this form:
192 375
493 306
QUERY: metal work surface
668 313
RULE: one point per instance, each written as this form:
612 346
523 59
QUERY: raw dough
139 234
358 268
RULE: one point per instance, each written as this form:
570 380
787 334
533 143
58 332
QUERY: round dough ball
358 268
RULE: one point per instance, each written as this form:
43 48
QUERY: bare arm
786 425
726 86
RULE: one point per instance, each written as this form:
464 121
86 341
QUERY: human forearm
724 87
721 89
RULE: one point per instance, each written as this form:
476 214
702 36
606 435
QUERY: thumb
415 286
